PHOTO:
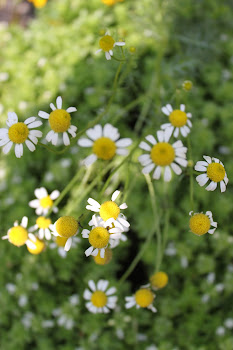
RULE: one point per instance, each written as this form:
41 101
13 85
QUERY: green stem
191 174
48 148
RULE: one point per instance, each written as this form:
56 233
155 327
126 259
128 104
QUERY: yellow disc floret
159 280
61 241
162 154
18 235
39 3
106 259
106 43
144 297
109 2
18 133
99 237
99 298
216 172
59 120
104 148
66 226
43 222
178 118
199 224
109 210
46 202
39 247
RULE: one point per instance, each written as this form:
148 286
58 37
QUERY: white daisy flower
19 133
44 227
104 143
44 201
18 235
100 299
107 43
214 171
143 298
66 227
179 121
60 243
109 211
162 156
99 237
200 223
60 122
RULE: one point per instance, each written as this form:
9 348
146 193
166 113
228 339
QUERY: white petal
49 136
145 146
83 142
165 111
95 252
92 285
115 195
110 131
34 204
71 109
102 285
157 173
3 132
199 167
47 234
107 55
30 145
202 162
87 294
54 195
124 142
167 133
89 207
177 144
160 135
19 150
176 132
59 102
85 233
33 139
119 43
29 120
43 115
90 159
167 174
144 159
148 168
222 186
89 251
176 168
94 203
202 179
111 291
94 133
41 192
52 106
122 152
151 139
212 186
24 222
98 51
169 107
181 161
123 206
208 159
183 131
123 222
35 124
66 139
12 119
4 141
182 107
68 244
55 138
211 231
7 147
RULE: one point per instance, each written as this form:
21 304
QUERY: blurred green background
53 54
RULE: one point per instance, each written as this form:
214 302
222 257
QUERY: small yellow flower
100 299
66 227
44 201
159 280
39 246
18 234
200 223
187 85
143 298
103 261
39 3
107 43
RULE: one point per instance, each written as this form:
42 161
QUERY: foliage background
41 296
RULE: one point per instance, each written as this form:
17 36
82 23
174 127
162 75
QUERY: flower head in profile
99 237
18 235
107 43
159 280
213 170
44 201
66 227
43 226
60 122
162 156
107 257
100 299
105 143
143 298
179 121
109 211
19 133
200 223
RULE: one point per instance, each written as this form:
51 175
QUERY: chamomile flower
60 243
101 299
44 227
179 121
143 298
109 211
214 171
38 244
103 261
99 237
200 223
104 142
162 156
18 235
60 122
159 280
107 43
19 133
66 227
44 201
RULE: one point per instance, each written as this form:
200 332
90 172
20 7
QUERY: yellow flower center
178 118
40 245
106 259
144 297
109 210
43 222
216 172
59 120
99 298
109 2
199 224
99 237
18 235
162 154
106 43
39 3
46 202
18 133
61 241
159 280
187 85
104 148
67 226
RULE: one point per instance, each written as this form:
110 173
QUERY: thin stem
48 148
191 174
